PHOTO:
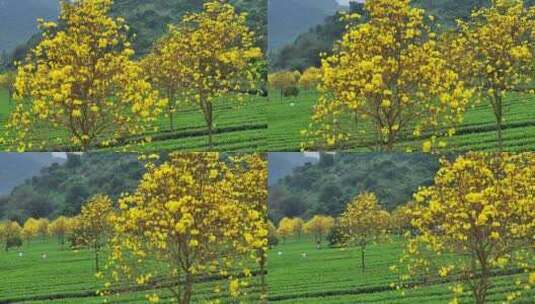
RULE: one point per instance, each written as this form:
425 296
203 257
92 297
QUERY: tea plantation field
287 117
333 276
45 273
239 126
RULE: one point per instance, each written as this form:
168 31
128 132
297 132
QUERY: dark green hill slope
148 20
61 189
304 51
18 20
16 167
327 186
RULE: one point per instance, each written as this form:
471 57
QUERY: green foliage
332 276
61 189
319 189
148 20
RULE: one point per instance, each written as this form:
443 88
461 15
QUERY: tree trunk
362 258
208 115
263 275
97 268
188 286
498 113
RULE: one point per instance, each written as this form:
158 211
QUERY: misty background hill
61 188
282 164
18 20
325 187
148 21
289 18
17 167
298 51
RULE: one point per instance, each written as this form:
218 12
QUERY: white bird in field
44 256
21 254
304 254
279 253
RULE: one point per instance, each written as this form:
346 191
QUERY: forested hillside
282 164
305 50
289 18
18 20
326 187
16 167
61 189
148 20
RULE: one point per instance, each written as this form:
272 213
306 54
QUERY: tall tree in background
80 78
319 226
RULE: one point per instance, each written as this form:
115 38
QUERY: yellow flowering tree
310 79
9 232
496 51
189 217
42 227
400 218
80 78
297 227
59 228
210 54
481 213
251 191
285 228
7 82
363 222
94 224
319 226
386 78
283 80
30 229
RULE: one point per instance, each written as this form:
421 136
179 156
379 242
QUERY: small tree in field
190 216
496 51
95 224
481 212
297 227
285 228
363 222
387 78
400 218
319 226
7 82
283 80
80 78
30 229
211 54
59 228
310 79
10 234
42 227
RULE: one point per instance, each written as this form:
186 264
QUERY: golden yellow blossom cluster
319 226
494 51
81 79
481 209
195 215
363 222
386 77
208 55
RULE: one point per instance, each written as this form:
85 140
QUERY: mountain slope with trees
16 167
289 18
304 51
148 20
60 189
326 187
18 20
